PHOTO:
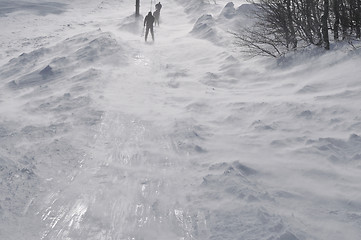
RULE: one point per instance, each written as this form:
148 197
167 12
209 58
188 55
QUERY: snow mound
236 166
232 19
217 29
36 78
73 54
132 24
228 11
338 150
227 75
188 138
232 196
246 9
205 28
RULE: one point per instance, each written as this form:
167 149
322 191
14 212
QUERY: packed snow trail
142 177
133 185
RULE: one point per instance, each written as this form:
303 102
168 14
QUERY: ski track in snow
105 137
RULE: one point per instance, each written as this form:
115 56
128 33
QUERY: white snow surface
104 136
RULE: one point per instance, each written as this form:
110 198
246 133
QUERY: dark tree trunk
357 19
309 28
137 8
336 11
324 19
352 9
292 36
345 21
316 23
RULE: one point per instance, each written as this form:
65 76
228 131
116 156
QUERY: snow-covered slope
105 137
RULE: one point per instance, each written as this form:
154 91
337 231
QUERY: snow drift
105 137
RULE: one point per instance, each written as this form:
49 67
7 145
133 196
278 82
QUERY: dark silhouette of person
158 6
149 21
156 15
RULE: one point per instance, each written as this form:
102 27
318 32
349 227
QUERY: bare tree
284 25
270 35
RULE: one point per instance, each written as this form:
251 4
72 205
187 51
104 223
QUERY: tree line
284 25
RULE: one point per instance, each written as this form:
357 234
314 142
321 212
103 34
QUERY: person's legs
151 31
146 33
156 16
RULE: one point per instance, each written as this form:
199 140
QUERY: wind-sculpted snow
213 27
228 11
233 185
72 55
105 137
45 152
132 24
187 139
203 28
338 150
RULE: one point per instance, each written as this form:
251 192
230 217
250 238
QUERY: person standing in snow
158 6
148 22
156 13
156 17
